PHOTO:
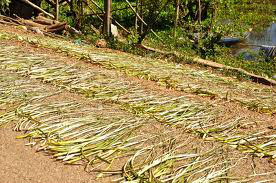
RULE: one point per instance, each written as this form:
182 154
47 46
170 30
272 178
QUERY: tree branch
38 8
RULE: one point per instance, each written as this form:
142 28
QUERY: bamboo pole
38 8
96 14
141 19
136 18
57 10
97 5
142 15
122 27
176 17
103 12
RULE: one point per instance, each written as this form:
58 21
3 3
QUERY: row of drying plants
195 117
111 141
171 75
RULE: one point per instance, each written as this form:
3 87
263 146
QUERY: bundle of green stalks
171 75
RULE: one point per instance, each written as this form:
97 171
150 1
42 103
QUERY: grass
259 67
240 18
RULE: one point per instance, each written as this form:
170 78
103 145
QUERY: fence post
107 17
57 10
176 17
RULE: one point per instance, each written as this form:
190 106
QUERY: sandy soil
21 164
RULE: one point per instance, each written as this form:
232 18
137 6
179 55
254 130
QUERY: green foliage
133 38
239 16
218 18
4 5
258 66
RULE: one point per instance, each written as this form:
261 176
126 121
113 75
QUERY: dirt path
120 125
21 164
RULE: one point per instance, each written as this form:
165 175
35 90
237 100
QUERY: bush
4 5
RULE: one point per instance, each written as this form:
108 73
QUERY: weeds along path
171 75
110 141
122 128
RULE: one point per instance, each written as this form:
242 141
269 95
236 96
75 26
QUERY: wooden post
142 16
57 10
81 14
117 23
176 17
199 11
107 17
136 18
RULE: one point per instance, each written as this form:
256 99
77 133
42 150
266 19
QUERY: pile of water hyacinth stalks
176 76
98 85
110 141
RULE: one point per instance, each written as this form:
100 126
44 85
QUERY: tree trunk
199 11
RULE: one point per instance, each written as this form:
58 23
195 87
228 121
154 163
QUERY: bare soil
21 164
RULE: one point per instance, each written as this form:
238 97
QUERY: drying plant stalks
71 138
194 167
72 132
99 86
15 92
171 75
258 144
168 110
